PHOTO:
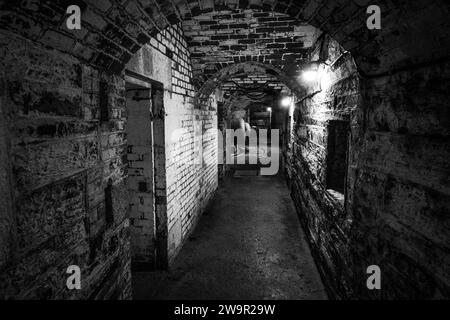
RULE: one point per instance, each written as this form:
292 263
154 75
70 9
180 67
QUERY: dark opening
338 133
103 91
109 215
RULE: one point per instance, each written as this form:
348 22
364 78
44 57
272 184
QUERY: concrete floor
247 245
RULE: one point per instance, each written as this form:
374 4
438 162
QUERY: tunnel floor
248 245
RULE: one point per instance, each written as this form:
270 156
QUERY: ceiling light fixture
311 72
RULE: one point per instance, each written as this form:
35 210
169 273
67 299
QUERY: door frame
159 165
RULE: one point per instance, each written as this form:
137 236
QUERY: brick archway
228 72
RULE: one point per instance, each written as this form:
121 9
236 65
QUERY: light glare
325 80
310 75
286 102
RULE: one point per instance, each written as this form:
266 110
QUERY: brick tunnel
116 157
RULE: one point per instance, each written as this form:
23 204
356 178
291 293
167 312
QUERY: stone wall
401 194
321 209
64 124
394 209
67 175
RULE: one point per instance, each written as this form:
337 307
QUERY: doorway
146 184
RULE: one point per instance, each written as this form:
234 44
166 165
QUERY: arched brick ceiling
248 84
254 84
113 30
247 72
220 38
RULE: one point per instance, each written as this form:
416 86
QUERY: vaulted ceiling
114 30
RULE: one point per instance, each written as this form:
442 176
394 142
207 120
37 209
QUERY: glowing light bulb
325 80
286 102
310 75
269 109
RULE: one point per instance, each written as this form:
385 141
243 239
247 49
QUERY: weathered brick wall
63 159
321 212
191 139
191 164
401 195
395 212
